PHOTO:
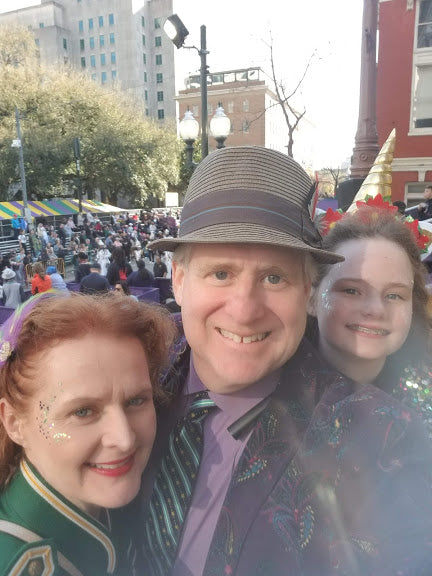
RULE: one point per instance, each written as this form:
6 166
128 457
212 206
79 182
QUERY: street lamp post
189 130
220 126
177 33
18 144
77 154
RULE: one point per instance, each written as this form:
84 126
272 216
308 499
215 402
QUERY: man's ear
311 307
177 275
11 421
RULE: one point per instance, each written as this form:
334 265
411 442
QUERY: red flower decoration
377 202
422 240
329 220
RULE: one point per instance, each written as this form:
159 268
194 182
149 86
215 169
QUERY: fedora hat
8 274
249 195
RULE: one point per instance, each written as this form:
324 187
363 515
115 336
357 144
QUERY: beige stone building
113 41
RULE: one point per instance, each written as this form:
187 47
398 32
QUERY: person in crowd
267 463
62 234
70 453
159 268
42 234
22 239
16 225
83 268
424 209
41 281
17 263
57 280
141 276
122 289
103 257
35 245
95 282
119 269
13 293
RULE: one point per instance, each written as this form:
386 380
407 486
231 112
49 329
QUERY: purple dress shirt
221 453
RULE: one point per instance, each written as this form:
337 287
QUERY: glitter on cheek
60 437
325 300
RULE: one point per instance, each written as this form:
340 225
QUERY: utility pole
77 154
18 144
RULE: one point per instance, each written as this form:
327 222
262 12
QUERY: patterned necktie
174 485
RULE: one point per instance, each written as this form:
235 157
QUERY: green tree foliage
122 152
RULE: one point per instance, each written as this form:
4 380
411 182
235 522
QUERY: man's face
427 194
243 309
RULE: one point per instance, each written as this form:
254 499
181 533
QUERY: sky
326 34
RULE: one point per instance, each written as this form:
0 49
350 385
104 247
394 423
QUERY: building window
83 62
230 107
113 58
113 74
101 40
424 32
104 77
157 22
64 44
210 109
161 114
101 21
37 42
102 59
82 44
93 61
159 78
145 76
158 41
94 76
245 127
91 42
146 95
90 23
144 58
112 38
160 96
146 111
245 105
195 111
111 19
81 26
143 40
41 25
142 21
422 101
158 59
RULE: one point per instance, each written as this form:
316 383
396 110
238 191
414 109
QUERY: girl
371 309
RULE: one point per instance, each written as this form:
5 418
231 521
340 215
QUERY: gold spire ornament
379 179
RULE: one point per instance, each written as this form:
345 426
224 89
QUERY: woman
41 281
119 269
69 451
122 289
371 309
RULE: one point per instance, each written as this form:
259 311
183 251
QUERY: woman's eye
136 401
350 291
83 412
394 297
221 275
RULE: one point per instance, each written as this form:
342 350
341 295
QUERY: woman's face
91 423
364 304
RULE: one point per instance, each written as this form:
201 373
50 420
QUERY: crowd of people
289 404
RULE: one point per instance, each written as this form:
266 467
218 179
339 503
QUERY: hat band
240 206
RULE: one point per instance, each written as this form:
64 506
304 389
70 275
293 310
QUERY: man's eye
138 401
351 291
394 296
220 275
273 279
83 412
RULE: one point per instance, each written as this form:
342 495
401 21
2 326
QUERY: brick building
256 117
404 92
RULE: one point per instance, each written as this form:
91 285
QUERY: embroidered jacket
335 480
42 534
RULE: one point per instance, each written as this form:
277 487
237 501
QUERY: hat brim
244 233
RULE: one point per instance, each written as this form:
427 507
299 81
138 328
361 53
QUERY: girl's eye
221 275
350 291
83 412
136 401
273 279
394 297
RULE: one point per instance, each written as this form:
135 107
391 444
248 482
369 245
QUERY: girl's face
364 306
90 426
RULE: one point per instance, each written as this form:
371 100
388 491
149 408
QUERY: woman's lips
116 468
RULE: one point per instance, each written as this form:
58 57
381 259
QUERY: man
16 225
267 462
159 268
94 282
425 208
83 268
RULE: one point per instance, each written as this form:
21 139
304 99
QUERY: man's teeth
244 339
377 332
